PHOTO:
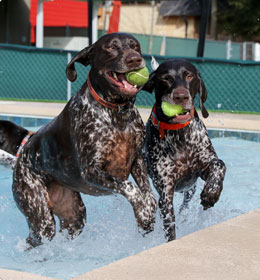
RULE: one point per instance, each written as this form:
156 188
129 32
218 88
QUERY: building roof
180 8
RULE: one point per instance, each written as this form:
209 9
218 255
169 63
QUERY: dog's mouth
183 117
120 81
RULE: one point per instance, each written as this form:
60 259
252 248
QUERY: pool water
111 233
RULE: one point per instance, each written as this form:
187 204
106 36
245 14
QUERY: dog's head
11 136
110 58
176 81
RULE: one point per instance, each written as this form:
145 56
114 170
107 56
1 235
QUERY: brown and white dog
91 147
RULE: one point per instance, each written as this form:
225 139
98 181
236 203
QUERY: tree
239 18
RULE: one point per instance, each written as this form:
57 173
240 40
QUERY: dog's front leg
166 193
167 213
214 177
133 194
139 173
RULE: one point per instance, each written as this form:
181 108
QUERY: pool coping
228 250
215 120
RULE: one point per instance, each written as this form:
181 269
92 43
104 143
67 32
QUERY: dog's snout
180 95
133 60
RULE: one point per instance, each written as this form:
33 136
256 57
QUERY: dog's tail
7 159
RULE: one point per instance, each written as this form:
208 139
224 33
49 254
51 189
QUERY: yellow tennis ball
171 110
138 77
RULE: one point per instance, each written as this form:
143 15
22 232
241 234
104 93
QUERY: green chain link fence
27 73
187 47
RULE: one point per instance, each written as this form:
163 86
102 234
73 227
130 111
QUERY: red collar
24 141
162 126
103 102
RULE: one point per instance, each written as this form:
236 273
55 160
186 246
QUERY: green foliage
239 18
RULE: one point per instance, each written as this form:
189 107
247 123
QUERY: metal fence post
205 6
244 51
257 52
39 25
68 82
163 46
152 27
229 49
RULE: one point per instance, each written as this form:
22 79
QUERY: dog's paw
210 194
146 229
145 221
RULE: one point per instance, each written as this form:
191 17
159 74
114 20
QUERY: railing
28 73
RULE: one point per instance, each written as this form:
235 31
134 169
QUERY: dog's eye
134 47
168 78
111 48
189 77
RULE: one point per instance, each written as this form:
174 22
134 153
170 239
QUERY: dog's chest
174 156
118 154
179 153
182 155
102 144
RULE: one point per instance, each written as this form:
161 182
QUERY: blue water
111 232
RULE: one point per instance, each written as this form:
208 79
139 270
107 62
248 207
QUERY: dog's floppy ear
150 84
83 57
202 96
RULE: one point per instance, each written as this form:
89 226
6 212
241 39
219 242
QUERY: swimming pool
111 233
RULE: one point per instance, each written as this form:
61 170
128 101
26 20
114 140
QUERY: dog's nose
180 95
133 60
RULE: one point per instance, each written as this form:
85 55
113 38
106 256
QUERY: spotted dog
178 149
7 159
11 140
91 147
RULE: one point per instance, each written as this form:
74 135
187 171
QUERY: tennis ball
138 77
171 110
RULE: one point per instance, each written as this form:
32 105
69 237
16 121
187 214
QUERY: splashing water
111 233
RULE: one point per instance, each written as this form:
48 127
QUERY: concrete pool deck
215 120
229 250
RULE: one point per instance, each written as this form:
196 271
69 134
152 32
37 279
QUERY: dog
91 147
7 159
11 138
178 149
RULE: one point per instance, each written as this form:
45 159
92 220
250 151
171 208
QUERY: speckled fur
176 161
88 148
11 136
7 159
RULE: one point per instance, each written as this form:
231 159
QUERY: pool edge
215 120
228 250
